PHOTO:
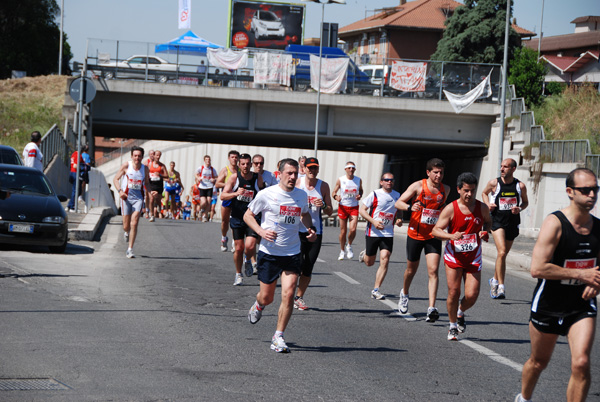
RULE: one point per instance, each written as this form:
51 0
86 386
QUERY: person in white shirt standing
379 210
351 191
32 156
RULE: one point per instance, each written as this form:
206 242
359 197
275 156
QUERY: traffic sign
89 89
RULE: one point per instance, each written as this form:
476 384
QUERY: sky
155 21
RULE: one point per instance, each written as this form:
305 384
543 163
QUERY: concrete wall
58 174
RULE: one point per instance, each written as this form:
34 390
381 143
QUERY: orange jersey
195 195
423 220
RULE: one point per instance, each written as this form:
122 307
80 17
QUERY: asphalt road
169 325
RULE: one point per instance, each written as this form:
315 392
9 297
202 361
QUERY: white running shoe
375 294
238 280
403 303
361 256
224 243
254 314
151 219
341 256
279 346
453 334
349 252
129 253
126 236
254 268
300 304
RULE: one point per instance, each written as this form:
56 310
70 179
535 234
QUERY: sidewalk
84 226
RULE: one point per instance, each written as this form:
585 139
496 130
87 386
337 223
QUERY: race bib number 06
289 215
466 244
577 264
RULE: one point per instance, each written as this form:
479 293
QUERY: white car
136 66
266 24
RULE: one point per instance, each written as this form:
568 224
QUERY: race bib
246 196
386 218
507 203
134 184
350 193
466 244
154 176
289 215
577 264
430 216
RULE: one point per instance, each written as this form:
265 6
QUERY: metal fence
593 162
527 120
564 151
537 134
53 143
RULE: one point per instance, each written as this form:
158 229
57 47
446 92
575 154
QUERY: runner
468 221
258 165
195 199
213 203
175 189
379 209
425 199
565 261
283 207
301 167
224 175
351 192
187 209
157 173
241 189
131 193
319 203
207 176
147 193
508 198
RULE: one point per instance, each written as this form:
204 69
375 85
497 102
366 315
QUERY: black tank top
506 196
560 298
239 205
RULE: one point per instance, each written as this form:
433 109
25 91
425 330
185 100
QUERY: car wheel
58 249
108 75
162 79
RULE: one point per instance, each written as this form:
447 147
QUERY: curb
90 224
513 259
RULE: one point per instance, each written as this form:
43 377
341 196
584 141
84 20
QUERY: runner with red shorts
351 191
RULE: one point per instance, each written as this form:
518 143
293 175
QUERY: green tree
29 37
475 33
527 74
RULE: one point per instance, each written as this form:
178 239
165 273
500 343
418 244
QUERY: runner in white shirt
32 156
379 209
258 166
207 176
351 191
284 209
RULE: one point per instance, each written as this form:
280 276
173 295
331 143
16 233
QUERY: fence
564 151
53 143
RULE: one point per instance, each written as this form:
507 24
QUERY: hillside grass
572 115
29 104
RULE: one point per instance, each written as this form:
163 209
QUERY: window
371 45
382 45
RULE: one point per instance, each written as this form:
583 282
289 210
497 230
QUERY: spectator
73 179
32 156
202 71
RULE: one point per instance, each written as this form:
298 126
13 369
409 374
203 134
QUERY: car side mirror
62 198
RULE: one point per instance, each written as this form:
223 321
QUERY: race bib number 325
289 215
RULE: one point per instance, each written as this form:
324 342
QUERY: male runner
224 175
175 188
207 176
258 166
351 192
284 208
468 221
508 198
195 193
425 199
131 193
147 193
319 202
241 189
157 172
565 261
379 209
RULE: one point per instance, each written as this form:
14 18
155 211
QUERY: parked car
136 67
30 211
10 156
266 24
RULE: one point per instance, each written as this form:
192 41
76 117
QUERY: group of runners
285 211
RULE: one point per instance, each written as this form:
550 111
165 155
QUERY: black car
30 211
10 156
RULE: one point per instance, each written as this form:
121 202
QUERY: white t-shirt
381 208
32 156
282 212
269 178
349 191
132 183
206 173
314 211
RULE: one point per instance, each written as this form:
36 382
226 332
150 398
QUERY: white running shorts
128 207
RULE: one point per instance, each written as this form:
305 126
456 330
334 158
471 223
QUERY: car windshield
10 157
268 16
24 182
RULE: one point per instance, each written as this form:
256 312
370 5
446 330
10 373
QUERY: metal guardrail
592 162
565 151
517 106
527 120
53 143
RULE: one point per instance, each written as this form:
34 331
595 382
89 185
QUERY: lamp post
504 74
323 2
60 45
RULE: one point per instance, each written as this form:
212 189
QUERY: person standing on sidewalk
73 179
232 168
351 191
32 156
427 198
565 263
284 208
506 197
131 194
379 210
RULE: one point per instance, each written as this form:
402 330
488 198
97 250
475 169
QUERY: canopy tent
188 43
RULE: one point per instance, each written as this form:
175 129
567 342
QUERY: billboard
264 24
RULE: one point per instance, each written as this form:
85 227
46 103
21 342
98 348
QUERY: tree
527 75
475 33
29 37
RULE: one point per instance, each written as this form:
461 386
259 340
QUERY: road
169 325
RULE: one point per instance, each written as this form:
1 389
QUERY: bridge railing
53 143
565 151
106 58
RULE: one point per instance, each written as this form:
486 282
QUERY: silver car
266 24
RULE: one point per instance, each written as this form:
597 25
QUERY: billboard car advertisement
262 24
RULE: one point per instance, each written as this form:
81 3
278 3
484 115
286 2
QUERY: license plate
20 228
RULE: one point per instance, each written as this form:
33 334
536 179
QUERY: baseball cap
311 162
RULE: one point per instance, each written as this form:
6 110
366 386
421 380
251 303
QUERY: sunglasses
587 190
387 179
258 163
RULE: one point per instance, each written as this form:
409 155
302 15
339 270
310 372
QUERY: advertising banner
185 14
268 25
408 77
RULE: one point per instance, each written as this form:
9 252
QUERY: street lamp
504 73
323 2
60 46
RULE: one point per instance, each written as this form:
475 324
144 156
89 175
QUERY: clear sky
155 21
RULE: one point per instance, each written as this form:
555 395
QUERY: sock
402 293
375 289
453 325
236 274
259 307
278 334
460 313
223 238
296 297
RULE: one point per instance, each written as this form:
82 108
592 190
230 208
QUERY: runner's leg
288 290
542 346
581 338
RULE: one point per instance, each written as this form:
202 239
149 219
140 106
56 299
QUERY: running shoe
248 270
254 314
376 294
349 252
279 346
432 314
493 288
453 334
205 219
129 253
300 304
238 280
519 398
224 243
361 256
462 326
126 236
403 303
254 268
151 219
341 256
501 293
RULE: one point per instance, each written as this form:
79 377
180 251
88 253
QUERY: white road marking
346 278
492 355
320 260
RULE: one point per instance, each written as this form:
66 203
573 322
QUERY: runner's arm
486 190
221 178
439 230
360 191
411 192
307 222
228 193
336 188
118 176
363 211
524 199
327 209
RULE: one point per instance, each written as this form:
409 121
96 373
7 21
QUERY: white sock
453 325
494 281
278 334
460 313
